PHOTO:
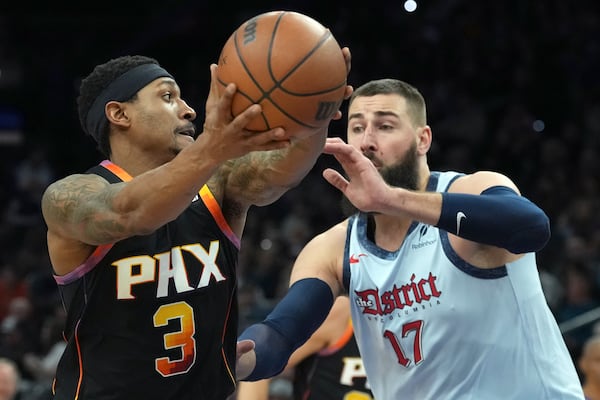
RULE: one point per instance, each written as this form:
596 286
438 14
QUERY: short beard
403 174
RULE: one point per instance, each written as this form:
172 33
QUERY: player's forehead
160 84
380 104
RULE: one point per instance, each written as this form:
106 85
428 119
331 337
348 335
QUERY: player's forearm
158 196
295 318
419 206
293 163
262 177
258 390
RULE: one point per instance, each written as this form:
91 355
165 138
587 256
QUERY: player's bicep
480 181
322 258
80 207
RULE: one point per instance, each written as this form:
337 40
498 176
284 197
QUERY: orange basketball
288 63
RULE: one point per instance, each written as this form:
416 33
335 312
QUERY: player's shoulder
331 241
335 234
479 181
72 183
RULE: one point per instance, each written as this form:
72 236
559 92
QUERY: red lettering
375 303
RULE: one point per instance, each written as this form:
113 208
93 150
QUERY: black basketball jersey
154 316
335 373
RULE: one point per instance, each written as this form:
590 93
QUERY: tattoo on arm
81 207
256 175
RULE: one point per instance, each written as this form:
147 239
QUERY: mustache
373 158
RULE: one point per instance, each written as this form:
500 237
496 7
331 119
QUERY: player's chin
180 143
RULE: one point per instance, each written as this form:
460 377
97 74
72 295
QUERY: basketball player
440 269
144 246
327 367
589 364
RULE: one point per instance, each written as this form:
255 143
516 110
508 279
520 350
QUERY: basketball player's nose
188 112
368 141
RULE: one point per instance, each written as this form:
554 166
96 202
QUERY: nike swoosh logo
459 216
354 259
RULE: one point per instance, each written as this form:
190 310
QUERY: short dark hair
98 80
414 99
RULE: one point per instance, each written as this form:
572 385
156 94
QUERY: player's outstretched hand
364 187
245 358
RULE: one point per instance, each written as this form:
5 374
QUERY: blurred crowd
509 87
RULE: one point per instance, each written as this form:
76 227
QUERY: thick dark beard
403 174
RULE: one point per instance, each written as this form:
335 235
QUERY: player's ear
424 137
116 113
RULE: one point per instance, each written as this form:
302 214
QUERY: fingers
227 99
214 93
213 75
336 146
246 358
347 57
228 134
245 117
273 139
348 92
244 346
335 179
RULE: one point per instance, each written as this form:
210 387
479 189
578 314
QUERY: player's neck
592 390
388 232
424 174
136 164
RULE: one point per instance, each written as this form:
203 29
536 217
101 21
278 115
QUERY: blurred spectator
581 295
11 286
253 305
35 171
42 365
281 389
589 365
552 287
19 333
23 210
9 379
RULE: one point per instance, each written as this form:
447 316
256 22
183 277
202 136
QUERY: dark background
511 86
542 55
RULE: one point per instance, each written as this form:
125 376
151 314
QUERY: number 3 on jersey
182 339
417 327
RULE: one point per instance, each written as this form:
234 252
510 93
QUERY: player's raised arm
89 209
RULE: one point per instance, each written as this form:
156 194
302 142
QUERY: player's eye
358 129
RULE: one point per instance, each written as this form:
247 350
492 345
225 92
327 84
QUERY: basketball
288 63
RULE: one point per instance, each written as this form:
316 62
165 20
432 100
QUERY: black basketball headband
121 89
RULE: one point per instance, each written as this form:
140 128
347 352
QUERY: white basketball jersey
430 326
